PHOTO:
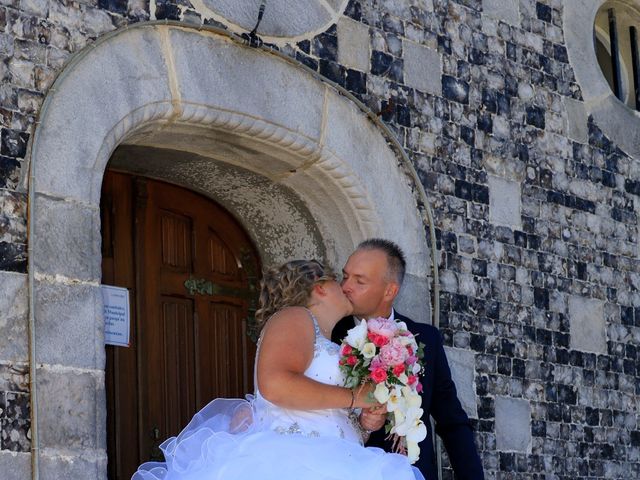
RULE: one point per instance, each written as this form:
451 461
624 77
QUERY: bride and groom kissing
302 422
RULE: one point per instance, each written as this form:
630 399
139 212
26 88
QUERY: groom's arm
452 423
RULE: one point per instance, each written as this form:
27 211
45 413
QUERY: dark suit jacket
439 400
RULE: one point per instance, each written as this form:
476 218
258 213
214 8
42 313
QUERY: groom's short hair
395 256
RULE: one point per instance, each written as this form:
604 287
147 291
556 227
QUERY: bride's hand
363 396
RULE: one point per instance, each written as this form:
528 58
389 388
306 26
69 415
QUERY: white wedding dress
235 439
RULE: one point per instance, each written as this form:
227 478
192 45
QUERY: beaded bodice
323 368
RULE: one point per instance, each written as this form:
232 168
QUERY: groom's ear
391 291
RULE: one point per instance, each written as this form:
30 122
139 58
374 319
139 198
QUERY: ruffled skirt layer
223 442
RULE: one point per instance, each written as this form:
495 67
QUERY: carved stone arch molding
323 174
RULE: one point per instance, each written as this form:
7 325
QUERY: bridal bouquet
384 352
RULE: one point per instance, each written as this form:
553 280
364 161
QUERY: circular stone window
616 30
289 20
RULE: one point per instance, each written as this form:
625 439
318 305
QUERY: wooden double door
192 276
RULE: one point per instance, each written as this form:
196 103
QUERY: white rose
368 350
401 325
357 336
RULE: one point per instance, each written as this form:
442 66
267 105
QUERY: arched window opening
616 44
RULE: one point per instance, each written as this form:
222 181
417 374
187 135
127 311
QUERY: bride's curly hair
289 285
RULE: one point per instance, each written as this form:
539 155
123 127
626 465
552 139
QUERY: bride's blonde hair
289 285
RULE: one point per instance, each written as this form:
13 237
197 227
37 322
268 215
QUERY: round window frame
618 121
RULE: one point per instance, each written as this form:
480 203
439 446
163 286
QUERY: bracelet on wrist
353 399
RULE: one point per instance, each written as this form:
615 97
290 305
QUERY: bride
301 424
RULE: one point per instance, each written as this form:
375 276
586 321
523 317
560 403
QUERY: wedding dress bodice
323 368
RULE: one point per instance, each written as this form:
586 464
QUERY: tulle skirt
226 441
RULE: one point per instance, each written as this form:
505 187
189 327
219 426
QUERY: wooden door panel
176 235
221 258
223 369
178 373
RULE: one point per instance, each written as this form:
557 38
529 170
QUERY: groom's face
364 282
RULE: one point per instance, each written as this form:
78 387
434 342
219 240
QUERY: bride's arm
285 353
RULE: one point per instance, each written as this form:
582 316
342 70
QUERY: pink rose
398 370
419 388
378 375
412 379
378 340
346 349
383 326
376 363
393 353
411 359
352 360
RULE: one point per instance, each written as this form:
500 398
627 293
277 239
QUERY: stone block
504 202
576 120
422 68
463 368
587 325
15 466
72 409
66 239
85 465
66 329
414 299
111 84
513 424
13 317
354 48
507 11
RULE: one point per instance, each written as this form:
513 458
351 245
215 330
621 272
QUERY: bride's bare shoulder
290 319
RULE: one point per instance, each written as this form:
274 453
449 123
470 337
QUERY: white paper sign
116 315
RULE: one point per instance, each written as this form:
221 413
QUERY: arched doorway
300 166
192 274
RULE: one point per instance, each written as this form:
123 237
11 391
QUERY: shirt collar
391 317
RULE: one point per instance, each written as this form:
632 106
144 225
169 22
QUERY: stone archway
190 90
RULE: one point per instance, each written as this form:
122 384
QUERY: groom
371 280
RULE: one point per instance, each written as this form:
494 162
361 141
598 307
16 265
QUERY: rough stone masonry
536 211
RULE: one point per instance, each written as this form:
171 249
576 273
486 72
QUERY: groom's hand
373 419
